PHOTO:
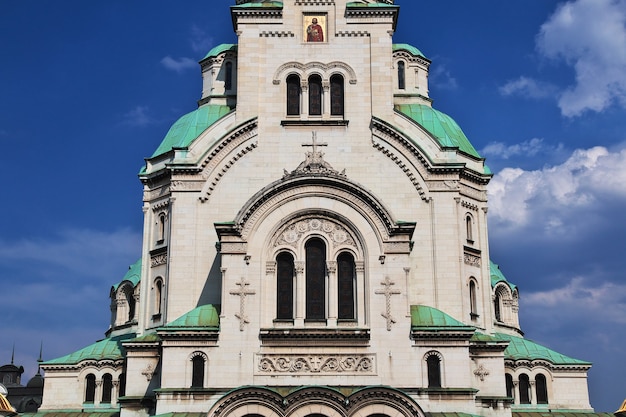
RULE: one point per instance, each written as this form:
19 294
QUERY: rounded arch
433 369
324 69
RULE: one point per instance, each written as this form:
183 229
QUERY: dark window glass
293 95
197 372
468 228
122 385
472 290
284 284
228 79
315 279
345 282
434 371
401 76
509 385
90 388
336 95
542 389
107 388
524 389
496 307
315 95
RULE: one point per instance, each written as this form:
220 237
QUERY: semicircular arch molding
304 70
249 401
394 237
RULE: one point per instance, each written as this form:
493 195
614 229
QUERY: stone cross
314 144
388 292
242 292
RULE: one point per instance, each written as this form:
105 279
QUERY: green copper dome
133 275
221 48
205 317
497 276
409 48
443 127
105 349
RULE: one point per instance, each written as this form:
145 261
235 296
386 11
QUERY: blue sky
89 89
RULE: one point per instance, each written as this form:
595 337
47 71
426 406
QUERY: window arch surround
197 369
433 367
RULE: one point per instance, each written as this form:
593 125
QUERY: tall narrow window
122 379
433 364
336 95
497 306
315 279
90 388
228 77
345 282
542 389
401 75
197 372
161 236
315 95
472 295
524 389
293 95
509 385
284 286
130 299
107 388
468 229
158 295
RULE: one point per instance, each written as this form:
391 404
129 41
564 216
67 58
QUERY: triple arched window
103 391
524 393
315 279
315 96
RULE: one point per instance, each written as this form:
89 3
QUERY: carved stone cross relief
388 292
242 292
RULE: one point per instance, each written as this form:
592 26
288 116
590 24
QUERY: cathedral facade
315 245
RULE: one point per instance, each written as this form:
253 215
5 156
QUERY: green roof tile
221 48
521 348
190 126
110 349
362 4
200 317
497 276
441 126
263 3
429 318
409 48
133 275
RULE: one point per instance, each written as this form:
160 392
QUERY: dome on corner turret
36 381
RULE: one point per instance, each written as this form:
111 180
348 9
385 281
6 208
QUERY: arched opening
315 95
293 95
161 236
90 388
346 285
433 365
472 299
401 75
509 385
524 389
228 77
107 388
542 389
197 371
158 295
336 95
468 229
315 279
284 286
497 306
122 379
130 300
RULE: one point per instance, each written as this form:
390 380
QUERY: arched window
401 75
161 233
293 95
345 282
315 95
433 364
158 295
90 388
130 299
497 306
336 95
468 229
228 77
197 371
524 389
107 388
122 379
509 385
542 389
473 303
284 286
315 279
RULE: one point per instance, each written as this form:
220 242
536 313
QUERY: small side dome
36 381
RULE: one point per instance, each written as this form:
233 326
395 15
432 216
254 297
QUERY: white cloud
528 87
589 35
581 300
80 253
200 41
443 78
502 150
552 196
179 65
139 116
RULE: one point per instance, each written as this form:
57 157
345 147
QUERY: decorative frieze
471 260
330 364
158 259
293 233
276 34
